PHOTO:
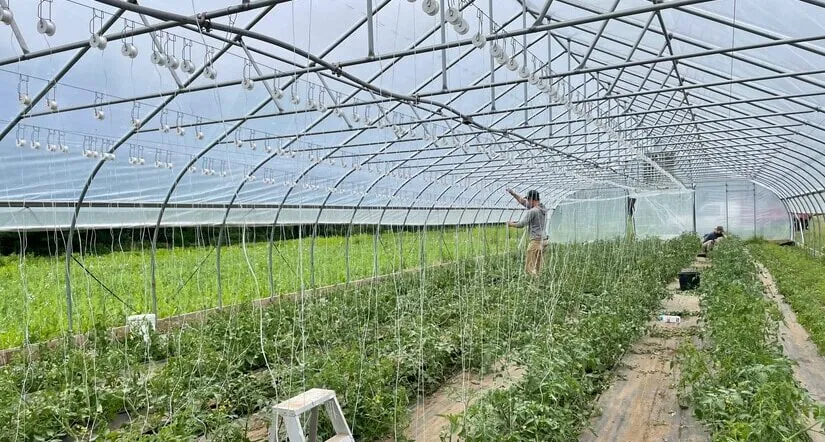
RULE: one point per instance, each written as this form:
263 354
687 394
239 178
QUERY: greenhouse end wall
743 208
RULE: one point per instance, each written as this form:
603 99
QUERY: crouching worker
711 238
535 220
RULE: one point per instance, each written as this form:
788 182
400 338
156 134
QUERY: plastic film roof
209 107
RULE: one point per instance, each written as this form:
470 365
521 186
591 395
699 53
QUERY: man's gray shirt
535 219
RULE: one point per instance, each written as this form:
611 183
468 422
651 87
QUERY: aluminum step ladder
291 410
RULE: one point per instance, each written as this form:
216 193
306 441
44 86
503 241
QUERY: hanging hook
21 136
322 107
97 41
23 90
247 81
276 85
198 132
61 140
164 121
179 129
129 49
136 121
209 70
45 25
311 94
252 143
169 51
51 146
51 100
479 40
98 112
187 65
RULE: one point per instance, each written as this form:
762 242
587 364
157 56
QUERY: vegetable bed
801 280
740 384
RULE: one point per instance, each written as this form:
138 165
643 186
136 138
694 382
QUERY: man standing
710 239
535 220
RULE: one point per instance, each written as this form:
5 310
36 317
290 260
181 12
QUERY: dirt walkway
642 403
429 413
797 345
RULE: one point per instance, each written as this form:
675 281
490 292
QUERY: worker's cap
533 195
720 229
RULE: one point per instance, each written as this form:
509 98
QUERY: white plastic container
669 319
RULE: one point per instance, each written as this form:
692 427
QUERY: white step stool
292 409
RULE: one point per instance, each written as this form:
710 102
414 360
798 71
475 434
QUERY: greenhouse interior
412 220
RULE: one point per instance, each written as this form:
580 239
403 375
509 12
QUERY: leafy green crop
801 280
740 384
33 305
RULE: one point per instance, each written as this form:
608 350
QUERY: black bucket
688 279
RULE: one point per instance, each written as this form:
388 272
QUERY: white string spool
452 15
46 27
512 63
136 122
129 50
172 62
247 82
99 114
21 142
51 104
187 67
98 42
159 58
6 16
430 7
210 72
198 135
524 72
180 130
24 99
461 27
496 50
479 40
